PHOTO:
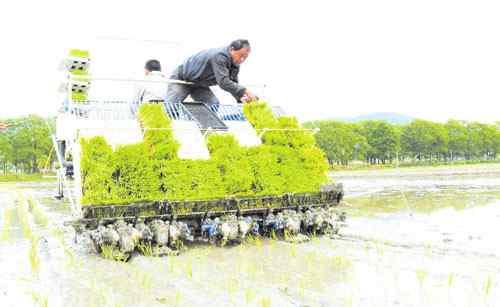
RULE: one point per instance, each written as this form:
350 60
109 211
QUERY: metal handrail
101 110
228 112
177 111
123 110
260 131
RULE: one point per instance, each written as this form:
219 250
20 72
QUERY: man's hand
248 97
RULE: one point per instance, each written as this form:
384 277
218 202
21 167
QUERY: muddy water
415 237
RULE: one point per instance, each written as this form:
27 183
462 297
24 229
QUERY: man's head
152 65
239 50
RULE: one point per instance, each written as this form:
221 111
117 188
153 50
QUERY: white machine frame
116 122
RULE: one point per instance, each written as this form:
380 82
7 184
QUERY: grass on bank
364 166
37 177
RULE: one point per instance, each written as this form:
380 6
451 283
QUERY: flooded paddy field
414 237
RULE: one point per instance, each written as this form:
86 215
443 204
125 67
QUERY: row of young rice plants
8 213
33 219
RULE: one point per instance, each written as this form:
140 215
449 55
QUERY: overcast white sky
431 59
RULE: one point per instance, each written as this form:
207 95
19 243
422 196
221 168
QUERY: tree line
380 142
26 145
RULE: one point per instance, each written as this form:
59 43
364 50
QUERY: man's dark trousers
177 93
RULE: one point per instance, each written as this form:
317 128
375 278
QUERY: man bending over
216 66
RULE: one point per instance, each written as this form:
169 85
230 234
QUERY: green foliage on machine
160 138
287 162
292 134
78 62
294 163
284 131
266 171
189 179
98 186
78 67
134 174
260 115
281 169
79 75
79 53
233 164
79 97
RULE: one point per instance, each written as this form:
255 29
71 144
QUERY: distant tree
497 139
6 153
457 138
383 140
483 141
439 144
474 140
378 141
398 129
424 140
340 141
26 143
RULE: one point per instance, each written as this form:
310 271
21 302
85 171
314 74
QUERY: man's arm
221 72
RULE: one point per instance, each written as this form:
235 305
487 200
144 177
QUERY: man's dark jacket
211 67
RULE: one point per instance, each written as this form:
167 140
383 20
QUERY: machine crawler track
161 228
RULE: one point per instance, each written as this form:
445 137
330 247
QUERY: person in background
216 66
154 89
3 126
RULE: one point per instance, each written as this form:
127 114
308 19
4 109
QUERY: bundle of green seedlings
288 161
